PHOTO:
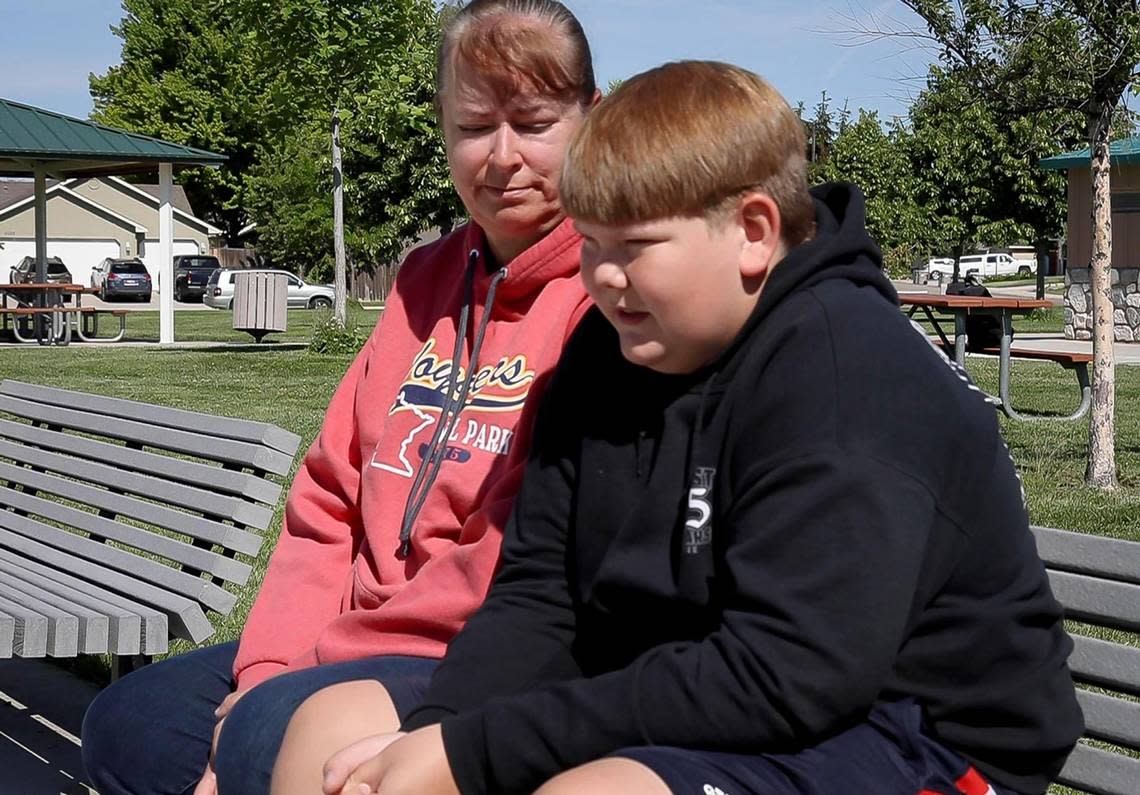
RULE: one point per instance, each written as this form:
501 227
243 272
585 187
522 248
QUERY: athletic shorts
888 754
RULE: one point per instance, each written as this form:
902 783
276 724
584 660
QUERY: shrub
331 337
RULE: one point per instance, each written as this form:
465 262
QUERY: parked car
24 271
300 294
121 278
940 269
191 274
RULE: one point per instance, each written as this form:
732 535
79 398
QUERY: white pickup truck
981 265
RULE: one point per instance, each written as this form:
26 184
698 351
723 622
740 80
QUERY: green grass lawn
217 325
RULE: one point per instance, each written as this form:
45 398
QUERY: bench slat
229 481
123 629
1095 601
142 628
1100 772
179 441
1109 665
114 477
163 546
226 427
224 535
31 629
179 582
93 626
1113 558
185 616
1111 719
62 626
7 636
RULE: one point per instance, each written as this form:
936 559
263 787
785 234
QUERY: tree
879 163
1048 56
978 170
393 172
327 55
821 133
187 75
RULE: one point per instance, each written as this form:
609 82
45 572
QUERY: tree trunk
340 303
1101 471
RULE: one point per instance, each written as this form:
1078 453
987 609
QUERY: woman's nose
505 147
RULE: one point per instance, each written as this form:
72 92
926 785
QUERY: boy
743 560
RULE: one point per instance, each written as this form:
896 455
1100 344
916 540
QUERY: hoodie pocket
364 597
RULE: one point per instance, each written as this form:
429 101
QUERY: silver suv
301 295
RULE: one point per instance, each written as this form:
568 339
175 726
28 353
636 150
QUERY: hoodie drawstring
453 403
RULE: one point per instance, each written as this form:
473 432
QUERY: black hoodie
748 558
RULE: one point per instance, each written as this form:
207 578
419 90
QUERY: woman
393 524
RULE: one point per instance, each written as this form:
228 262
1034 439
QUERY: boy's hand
345 761
415 764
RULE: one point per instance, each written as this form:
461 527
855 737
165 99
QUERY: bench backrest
1097 581
121 521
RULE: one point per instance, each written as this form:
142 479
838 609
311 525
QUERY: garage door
150 254
80 256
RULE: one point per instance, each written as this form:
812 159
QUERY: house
1124 162
89 219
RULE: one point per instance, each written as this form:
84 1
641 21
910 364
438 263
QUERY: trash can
260 300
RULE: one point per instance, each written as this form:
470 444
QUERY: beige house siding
100 210
1125 226
125 202
69 220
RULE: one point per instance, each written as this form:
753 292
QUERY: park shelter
1124 173
42 144
1124 162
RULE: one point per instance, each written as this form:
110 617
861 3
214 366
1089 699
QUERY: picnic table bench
1097 581
50 302
124 520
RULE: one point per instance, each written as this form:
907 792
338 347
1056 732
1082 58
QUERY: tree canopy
258 80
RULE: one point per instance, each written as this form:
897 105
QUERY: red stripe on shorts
971 783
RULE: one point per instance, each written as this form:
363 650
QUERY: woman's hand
208 784
413 764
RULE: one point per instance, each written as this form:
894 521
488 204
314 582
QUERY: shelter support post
39 172
165 254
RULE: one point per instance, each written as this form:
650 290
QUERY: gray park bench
121 522
1097 581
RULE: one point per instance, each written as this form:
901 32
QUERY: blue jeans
150 732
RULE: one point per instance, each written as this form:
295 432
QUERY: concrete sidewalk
41 709
1125 352
267 346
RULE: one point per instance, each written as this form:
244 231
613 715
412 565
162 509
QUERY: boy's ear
759 217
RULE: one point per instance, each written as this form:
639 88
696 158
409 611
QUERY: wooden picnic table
47 308
1003 308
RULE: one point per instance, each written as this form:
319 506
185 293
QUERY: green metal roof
74 147
1126 151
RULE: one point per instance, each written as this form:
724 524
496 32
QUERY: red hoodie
337 587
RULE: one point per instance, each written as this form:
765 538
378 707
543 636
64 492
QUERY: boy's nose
610 275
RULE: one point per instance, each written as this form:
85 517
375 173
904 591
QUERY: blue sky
48 47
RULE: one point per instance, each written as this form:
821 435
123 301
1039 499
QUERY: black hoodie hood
840 249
